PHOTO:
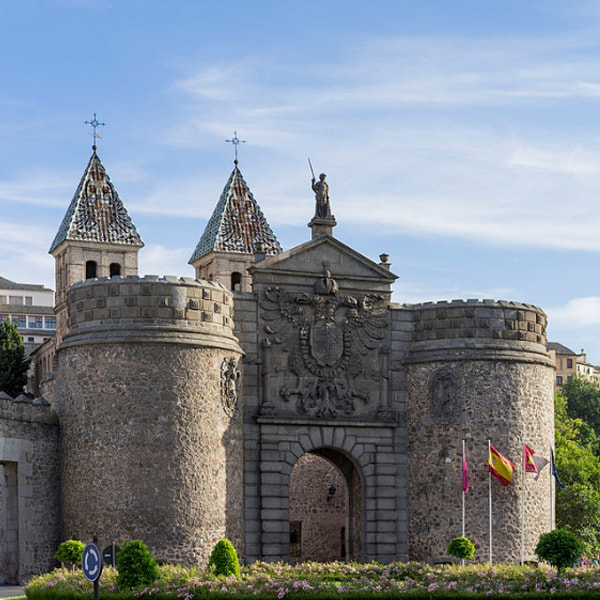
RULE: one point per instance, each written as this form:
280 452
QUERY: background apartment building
569 363
31 307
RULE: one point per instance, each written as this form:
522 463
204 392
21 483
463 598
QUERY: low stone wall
29 437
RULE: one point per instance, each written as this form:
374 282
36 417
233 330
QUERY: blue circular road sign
91 562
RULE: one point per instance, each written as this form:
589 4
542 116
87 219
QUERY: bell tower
96 238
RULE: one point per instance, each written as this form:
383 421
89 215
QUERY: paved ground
8 591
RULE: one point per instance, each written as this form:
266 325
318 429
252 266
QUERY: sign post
91 564
110 555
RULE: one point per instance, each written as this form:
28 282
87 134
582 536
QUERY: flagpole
523 510
490 497
463 490
550 480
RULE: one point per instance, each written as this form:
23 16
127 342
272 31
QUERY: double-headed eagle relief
328 338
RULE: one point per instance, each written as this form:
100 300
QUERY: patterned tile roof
237 223
96 213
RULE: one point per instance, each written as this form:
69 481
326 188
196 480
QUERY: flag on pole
530 466
553 469
499 466
534 463
465 475
540 463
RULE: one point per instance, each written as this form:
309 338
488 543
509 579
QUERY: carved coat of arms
327 337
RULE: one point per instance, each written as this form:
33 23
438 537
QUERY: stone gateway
280 399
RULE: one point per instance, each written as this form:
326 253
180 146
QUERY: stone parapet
26 410
134 309
481 329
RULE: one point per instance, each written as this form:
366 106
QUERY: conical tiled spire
96 213
237 223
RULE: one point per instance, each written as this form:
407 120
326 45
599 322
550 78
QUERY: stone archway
325 508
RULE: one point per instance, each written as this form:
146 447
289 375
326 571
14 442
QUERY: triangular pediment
309 260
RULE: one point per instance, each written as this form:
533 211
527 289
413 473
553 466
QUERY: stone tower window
115 269
90 269
236 281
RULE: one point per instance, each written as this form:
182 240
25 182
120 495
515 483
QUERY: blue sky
460 137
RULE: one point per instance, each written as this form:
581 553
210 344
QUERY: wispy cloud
436 171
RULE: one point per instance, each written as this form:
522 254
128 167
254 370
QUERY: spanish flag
529 460
499 466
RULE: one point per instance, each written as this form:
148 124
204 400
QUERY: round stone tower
477 371
151 430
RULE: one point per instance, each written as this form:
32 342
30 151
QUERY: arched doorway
325 508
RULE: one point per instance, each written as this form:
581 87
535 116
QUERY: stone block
386 504
270 489
273 537
385 480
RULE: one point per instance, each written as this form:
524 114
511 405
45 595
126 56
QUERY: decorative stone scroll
230 378
327 337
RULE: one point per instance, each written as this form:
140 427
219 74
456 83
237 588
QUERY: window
559 380
236 282
90 269
15 300
569 363
50 323
20 320
115 269
2 299
36 322
28 300
30 340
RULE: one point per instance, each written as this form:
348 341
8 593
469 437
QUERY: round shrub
461 547
224 559
136 565
69 553
560 548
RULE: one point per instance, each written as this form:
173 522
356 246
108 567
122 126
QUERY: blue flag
553 469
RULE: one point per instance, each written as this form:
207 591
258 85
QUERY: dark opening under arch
91 269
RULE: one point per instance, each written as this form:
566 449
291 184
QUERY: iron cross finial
235 140
95 124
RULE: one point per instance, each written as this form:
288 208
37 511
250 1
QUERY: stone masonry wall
30 522
151 442
245 318
496 383
320 509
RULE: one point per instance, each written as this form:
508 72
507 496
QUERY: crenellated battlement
26 410
127 306
479 319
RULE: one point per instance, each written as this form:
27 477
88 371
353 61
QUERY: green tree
69 553
560 548
577 504
136 565
224 559
13 363
583 402
461 547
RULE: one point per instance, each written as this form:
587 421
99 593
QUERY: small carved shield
326 343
